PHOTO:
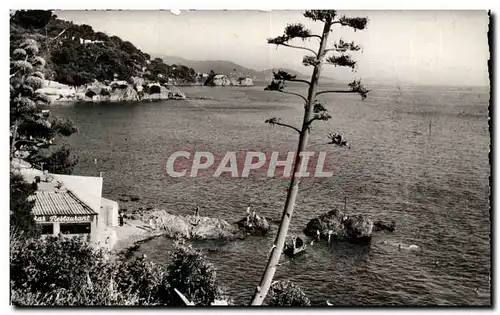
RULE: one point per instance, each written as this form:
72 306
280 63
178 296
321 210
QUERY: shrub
146 279
66 271
59 271
193 276
40 265
285 293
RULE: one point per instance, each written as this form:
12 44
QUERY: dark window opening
47 229
75 228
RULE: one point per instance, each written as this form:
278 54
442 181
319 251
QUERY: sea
419 156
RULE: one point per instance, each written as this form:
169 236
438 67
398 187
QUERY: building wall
108 213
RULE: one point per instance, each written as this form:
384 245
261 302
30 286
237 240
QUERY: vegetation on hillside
33 131
77 55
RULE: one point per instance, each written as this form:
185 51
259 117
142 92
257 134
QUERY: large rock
190 227
341 226
120 94
259 226
155 91
176 94
218 80
56 91
384 226
241 81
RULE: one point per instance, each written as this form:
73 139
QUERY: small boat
295 247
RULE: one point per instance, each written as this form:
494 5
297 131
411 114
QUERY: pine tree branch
356 23
292 93
315 36
312 119
299 80
299 47
356 87
334 91
276 121
286 125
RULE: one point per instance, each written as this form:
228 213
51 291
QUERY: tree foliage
31 130
67 271
57 161
193 276
21 215
99 57
286 293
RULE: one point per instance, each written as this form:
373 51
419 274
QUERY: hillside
223 67
77 54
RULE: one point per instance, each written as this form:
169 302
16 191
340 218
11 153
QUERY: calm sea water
435 186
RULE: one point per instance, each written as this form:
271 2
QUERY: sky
416 47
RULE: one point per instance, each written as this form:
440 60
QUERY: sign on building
57 218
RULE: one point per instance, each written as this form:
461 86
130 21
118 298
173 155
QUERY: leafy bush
193 276
41 265
285 293
66 271
146 279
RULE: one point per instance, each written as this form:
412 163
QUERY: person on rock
255 216
249 217
197 211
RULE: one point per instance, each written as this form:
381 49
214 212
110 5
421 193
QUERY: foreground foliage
59 271
21 216
285 293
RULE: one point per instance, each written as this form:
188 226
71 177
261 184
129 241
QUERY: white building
71 205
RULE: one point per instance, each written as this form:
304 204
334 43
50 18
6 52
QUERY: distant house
89 41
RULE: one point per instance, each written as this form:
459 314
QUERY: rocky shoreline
115 91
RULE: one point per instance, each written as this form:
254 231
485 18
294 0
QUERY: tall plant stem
262 290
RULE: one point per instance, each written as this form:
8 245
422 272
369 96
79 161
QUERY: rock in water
381 226
343 227
258 227
358 227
